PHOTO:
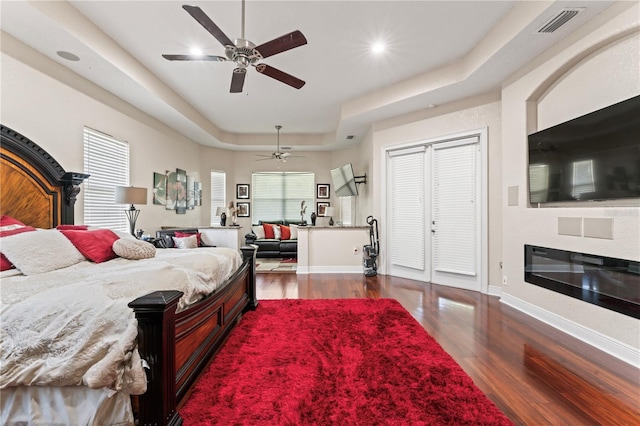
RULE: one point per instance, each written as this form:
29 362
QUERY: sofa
276 244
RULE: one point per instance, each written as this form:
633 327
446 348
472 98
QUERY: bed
174 338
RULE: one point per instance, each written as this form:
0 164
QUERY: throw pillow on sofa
286 232
268 231
276 232
259 231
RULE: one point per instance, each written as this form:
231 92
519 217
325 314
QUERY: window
278 195
218 195
106 160
345 210
582 178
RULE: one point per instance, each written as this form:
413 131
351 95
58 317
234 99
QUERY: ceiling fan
245 53
278 155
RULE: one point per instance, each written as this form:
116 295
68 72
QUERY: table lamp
329 211
131 195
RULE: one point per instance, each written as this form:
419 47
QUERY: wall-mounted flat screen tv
592 157
344 181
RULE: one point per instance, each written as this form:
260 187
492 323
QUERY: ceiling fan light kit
278 155
243 52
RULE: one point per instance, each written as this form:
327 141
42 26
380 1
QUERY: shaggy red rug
335 362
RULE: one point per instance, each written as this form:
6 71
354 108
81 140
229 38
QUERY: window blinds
345 210
455 209
106 160
218 195
278 195
408 209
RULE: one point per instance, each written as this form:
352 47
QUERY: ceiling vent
564 16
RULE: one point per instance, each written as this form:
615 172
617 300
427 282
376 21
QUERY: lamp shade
329 211
131 195
220 210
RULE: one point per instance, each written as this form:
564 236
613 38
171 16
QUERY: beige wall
596 70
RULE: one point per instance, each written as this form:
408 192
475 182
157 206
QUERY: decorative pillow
268 230
186 234
286 232
8 220
94 245
7 230
276 232
41 251
294 232
259 231
133 249
186 242
72 227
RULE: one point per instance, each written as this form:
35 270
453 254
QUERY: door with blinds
434 204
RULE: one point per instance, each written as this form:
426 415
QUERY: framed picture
321 208
181 191
171 192
242 191
244 209
159 189
322 190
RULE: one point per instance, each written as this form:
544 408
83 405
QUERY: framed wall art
322 190
243 209
242 191
321 208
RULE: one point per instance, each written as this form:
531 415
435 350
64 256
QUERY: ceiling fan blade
281 44
237 81
208 24
280 75
194 58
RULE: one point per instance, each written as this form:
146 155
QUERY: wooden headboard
34 188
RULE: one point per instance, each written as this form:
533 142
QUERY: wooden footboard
179 346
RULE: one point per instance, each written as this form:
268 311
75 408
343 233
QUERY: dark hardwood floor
534 373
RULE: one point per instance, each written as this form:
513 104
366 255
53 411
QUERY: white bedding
73 327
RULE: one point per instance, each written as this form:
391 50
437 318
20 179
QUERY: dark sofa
164 237
268 247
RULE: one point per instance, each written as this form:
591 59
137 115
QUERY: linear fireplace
604 281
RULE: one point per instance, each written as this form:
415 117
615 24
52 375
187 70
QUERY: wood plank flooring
534 373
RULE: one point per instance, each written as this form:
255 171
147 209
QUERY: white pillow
277 233
41 251
186 242
133 249
294 232
259 231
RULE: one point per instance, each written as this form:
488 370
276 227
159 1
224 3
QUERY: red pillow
94 245
198 235
268 230
8 220
286 232
5 264
72 227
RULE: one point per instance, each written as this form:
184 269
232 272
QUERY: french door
434 208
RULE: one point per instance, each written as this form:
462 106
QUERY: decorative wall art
321 207
322 190
176 191
242 191
243 209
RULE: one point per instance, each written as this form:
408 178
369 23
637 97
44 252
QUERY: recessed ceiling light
68 56
196 51
378 48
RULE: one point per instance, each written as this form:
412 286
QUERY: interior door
456 214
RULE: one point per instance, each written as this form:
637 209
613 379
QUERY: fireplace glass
604 281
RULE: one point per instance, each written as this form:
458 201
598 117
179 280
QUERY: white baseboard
611 346
329 270
495 290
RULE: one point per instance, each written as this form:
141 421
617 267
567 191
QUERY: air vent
350 137
285 148
560 19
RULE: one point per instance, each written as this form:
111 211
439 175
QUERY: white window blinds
106 160
455 209
278 195
218 195
345 210
408 210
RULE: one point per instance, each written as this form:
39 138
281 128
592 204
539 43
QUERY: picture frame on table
321 208
323 190
243 209
242 191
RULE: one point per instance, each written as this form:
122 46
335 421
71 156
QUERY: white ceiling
437 53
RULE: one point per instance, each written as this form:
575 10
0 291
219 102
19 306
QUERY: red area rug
335 362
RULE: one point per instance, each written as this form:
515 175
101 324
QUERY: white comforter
73 327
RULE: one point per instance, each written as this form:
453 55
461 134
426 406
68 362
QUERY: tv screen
344 181
593 157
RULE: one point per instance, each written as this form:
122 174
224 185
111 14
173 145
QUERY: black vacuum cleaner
370 251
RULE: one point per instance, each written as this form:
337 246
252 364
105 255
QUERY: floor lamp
131 195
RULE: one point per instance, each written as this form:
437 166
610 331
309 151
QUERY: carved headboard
34 188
